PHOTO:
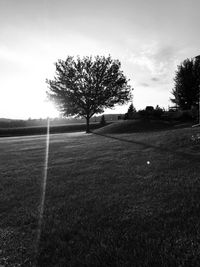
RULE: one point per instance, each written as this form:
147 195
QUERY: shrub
103 120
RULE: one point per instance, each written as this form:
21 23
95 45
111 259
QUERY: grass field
114 200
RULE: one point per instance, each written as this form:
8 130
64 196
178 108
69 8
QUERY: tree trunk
87 124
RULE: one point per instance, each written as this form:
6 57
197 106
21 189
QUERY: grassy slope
140 125
105 206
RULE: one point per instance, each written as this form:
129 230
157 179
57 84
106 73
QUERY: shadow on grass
160 149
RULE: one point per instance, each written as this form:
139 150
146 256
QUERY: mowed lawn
116 200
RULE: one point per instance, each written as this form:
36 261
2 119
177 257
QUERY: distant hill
10 123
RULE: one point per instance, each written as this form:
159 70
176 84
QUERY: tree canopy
187 84
86 86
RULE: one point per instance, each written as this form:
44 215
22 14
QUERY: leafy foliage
187 84
86 86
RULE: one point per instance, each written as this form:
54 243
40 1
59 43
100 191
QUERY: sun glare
49 110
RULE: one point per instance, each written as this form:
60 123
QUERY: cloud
145 84
157 58
156 64
154 79
161 57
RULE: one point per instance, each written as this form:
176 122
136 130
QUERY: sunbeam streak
44 182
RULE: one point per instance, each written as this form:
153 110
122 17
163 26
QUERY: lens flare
44 182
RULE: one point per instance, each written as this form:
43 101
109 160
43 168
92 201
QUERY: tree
187 84
130 113
131 109
85 86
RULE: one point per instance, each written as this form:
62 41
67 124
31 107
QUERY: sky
149 37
